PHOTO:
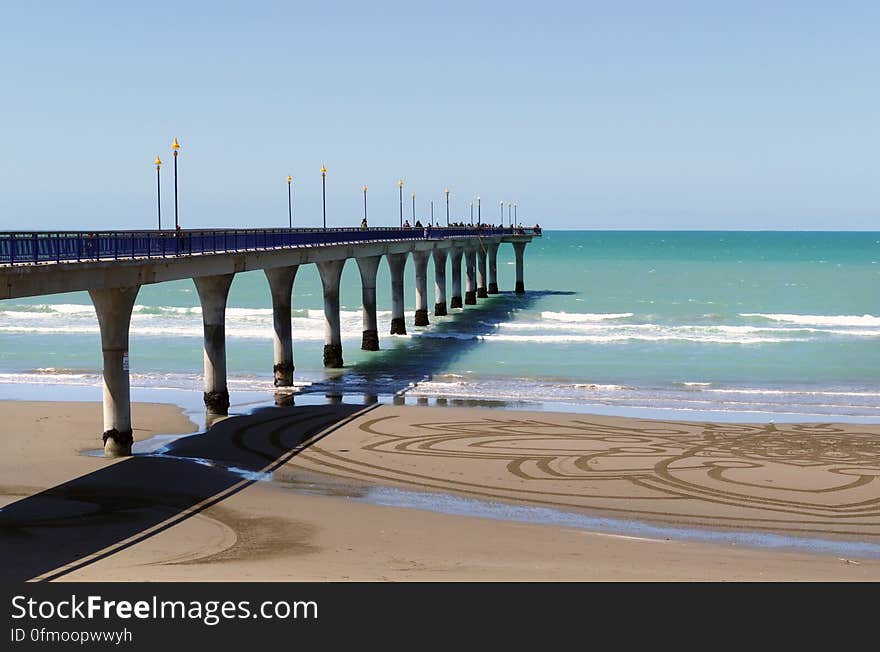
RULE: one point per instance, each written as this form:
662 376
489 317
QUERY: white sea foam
241 324
73 309
568 326
744 400
790 392
236 331
799 329
552 328
50 379
249 313
583 316
173 321
62 308
87 309
67 329
818 320
596 387
167 310
604 326
695 332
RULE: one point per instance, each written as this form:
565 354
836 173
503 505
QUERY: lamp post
432 212
365 204
289 203
414 209
508 216
324 193
515 219
447 206
174 147
472 213
400 186
479 213
158 164
502 212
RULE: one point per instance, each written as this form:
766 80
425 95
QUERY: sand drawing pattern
817 478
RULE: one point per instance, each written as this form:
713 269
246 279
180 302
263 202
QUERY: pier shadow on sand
52 533
429 351
56 531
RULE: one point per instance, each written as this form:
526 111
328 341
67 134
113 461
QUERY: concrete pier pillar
420 261
440 282
281 287
481 272
518 249
331 273
284 399
470 287
213 292
212 419
113 308
455 258
368 267
492 252
397 265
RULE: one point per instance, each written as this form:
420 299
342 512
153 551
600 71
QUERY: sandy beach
400 493
46 443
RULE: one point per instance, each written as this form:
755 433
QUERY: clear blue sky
588 114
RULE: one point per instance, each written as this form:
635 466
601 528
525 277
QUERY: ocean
734 325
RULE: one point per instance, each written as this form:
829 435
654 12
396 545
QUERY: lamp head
400 184
175 145
289 179
323 169
446 191
157 162
365 189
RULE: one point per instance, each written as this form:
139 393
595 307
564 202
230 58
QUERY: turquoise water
734 322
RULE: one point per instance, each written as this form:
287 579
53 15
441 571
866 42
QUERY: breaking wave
818 320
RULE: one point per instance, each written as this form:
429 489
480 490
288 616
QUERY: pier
112 266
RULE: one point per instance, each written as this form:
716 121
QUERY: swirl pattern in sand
817 478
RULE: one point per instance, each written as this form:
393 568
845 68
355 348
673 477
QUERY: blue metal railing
28 248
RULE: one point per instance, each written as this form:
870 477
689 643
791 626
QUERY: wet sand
311 515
